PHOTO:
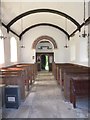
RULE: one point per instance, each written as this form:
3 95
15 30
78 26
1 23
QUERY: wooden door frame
45 53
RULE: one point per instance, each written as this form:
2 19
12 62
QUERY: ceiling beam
39 11
87 21
10 30
44 24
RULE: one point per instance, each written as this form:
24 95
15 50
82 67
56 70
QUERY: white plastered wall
61 54
7 53
27 53
78 49
81 51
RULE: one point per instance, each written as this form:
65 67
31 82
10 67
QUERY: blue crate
12 96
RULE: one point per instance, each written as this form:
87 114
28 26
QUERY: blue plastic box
12 96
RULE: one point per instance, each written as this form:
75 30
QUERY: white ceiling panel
9 10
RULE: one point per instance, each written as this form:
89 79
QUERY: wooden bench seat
78 88
31 70
14 77
25 74
67 77
58 69
19 74
70 70
63 73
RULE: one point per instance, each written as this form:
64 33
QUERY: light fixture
2 37
33 57
66 45
21 46
84 32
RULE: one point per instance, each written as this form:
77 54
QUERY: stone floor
46 100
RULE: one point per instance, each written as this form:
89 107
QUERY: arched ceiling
40 11
34 14
44 24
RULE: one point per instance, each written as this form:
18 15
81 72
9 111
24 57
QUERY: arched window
13 45
72 52
84 50
1 49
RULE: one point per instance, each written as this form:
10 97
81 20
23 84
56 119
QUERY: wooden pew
2 95
28 73
79 87
27 79
53 69
58 70
14 77
21 74
67 76
61 68
31 70
65 71
69 68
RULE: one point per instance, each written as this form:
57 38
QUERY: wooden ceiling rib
42 10
39 11
53 11
44 24
10 30
87 21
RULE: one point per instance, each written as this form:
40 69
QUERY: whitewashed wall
7 48
33 34
73 54
76 53
81 51
78 49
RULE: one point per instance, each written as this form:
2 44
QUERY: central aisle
45 101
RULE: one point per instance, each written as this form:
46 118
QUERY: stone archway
44 37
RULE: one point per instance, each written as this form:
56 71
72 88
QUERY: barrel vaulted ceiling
21 16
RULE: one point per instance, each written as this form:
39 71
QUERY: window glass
84 50
72 52
13 44
1 49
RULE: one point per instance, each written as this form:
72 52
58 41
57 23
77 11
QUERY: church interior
44 63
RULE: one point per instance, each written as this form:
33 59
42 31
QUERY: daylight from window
13 44
1 49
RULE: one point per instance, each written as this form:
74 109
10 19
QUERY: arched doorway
45 37
44 62
44 46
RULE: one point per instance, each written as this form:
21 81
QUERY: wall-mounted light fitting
2 37
66 46
32 57
22 46
84 32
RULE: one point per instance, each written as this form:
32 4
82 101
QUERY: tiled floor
46 101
